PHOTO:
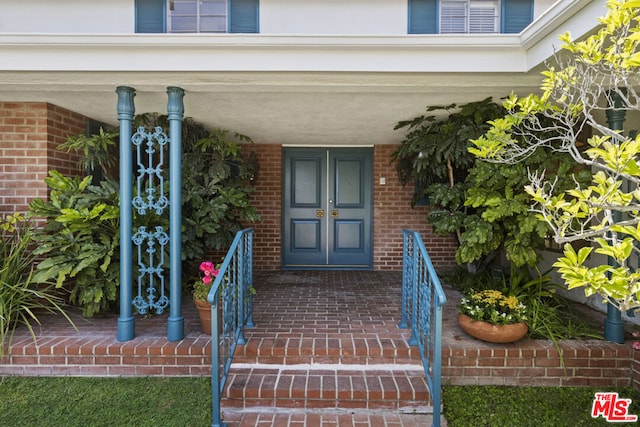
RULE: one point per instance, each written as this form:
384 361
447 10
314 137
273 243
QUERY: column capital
126 108
175 105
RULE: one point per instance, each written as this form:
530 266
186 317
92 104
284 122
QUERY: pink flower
207 268
636 345
209 271
635 334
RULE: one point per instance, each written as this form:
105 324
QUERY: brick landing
325 345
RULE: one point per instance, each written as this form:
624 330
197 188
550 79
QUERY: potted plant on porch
491 316
200 292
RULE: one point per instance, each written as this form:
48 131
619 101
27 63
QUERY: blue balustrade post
240 294
175 112
249 267
216 414
414 297
126 109
405 280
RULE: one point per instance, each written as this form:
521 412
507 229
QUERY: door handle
320 213
334 213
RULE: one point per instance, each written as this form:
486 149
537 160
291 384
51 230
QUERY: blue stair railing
422 304
231 302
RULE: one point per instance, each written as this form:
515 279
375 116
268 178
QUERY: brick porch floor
326 351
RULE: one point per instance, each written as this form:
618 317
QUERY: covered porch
326 350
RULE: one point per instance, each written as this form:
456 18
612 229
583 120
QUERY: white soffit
299 90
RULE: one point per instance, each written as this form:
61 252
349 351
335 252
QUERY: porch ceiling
305 108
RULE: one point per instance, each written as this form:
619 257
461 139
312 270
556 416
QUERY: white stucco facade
68 16
275 86
300 17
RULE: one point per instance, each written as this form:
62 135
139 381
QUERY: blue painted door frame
327 208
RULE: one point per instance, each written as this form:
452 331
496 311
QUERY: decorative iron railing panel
422 305
150 198
231 299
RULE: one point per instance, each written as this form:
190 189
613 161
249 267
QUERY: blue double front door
327 208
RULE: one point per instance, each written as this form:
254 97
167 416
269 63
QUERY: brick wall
267 199
31 132
29 135
635 370
392 213
537 363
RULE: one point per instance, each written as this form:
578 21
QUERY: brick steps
325 386
269 417
336 347
344 349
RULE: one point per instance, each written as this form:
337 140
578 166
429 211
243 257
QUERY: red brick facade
392 213
31 132
29 136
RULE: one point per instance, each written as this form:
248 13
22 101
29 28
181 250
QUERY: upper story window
469 16
196 16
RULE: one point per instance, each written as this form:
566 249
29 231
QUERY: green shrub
80 240
21 299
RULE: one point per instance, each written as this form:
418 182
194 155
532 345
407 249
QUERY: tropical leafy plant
21 298
591 75
484 204
216 196
80 240
98 151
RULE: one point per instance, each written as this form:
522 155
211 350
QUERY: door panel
327 208
303 206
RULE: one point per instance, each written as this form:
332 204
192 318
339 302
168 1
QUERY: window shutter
243 16
423 17
151 16
516 15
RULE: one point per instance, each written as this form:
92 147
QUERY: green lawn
41 402
498 406
85 402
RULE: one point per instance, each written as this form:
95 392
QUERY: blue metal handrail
422 302
233 284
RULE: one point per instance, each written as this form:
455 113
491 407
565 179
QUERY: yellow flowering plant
492 306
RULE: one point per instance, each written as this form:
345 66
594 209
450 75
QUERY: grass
92 402
497 406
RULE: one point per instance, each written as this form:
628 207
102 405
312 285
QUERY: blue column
126 109
175 112
613 325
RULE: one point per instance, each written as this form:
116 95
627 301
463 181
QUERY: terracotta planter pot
492 333
204 311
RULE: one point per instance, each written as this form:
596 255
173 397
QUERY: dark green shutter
243 16
516 15
151 16
423 17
